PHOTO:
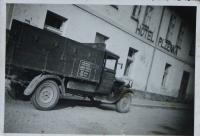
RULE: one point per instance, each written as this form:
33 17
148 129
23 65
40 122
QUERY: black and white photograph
100 69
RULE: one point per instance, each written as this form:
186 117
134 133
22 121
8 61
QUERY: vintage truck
49 67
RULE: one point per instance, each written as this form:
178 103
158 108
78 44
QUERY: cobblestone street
78 117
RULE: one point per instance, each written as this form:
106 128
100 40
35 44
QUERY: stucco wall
82 26
188 36
174 77
122 17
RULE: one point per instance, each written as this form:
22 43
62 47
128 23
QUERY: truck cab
108 72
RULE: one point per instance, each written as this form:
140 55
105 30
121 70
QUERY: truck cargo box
36 49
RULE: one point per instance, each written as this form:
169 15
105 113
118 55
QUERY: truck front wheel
123 105
46 95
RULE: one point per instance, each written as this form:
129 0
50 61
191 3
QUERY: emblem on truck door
85 68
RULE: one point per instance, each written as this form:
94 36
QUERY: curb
159 104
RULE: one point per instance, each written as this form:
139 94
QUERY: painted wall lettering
144 31
147 15
136 12
167 45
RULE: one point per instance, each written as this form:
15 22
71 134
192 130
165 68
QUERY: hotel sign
168 46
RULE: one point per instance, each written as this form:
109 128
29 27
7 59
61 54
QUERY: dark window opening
165 74
114 6
100 38
127 67
131 52
129 61
54 20
184 84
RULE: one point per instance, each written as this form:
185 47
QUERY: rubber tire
56 95
119 105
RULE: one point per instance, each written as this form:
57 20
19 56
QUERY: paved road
76 117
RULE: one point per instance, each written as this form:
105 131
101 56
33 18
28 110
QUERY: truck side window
110 64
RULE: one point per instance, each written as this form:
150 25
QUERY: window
127 67
100 38
180 35
171 27
147 15
131 52
184 84
114 6
129 61
54 22
136 12
165 75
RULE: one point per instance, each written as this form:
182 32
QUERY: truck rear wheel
46 95
123 105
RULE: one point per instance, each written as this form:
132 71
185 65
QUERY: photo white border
2 62
100 2
197 76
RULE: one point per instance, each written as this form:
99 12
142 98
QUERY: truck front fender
124 91
38 79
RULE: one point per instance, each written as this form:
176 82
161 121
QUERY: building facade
156 44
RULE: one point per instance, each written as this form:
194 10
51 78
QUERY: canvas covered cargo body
37 49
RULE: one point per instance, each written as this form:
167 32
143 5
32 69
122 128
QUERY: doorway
184 84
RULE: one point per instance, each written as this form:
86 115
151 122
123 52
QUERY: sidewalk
159 104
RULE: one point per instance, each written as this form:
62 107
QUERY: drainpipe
154 49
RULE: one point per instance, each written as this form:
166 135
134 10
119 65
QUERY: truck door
108 74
